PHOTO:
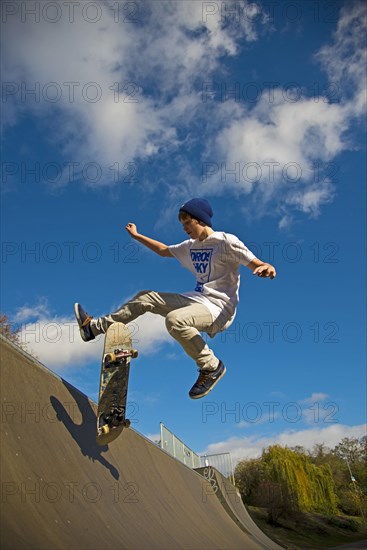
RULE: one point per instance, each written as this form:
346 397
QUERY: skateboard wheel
127 423
110 358
134 353
105 429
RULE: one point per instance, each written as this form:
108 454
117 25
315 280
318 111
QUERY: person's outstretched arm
159 248
262 269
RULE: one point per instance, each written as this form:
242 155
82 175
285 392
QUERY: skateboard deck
114 380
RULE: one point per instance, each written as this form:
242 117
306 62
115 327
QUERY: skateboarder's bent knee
173 322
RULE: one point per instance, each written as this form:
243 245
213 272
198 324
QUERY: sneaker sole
210 389
76 311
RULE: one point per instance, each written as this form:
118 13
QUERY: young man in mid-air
214 258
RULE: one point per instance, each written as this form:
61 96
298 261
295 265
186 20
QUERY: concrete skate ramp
230 498
62 491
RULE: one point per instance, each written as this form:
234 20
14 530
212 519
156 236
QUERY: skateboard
114 380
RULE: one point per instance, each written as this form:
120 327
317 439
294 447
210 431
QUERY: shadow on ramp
83 433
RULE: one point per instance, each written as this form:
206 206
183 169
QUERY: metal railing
178 449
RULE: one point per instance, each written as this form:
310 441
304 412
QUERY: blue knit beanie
199 209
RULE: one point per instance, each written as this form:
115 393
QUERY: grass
311 531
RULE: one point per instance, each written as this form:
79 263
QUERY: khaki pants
185 319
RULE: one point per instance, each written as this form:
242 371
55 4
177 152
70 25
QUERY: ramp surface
230 498
60 490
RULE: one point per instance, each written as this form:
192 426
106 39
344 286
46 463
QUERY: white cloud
252 446
121 83
316 407
25 313
345 59
269 154
149 333
56 342
106 118
273 151
314 398
311 199
158 65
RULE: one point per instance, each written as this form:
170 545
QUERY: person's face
192 227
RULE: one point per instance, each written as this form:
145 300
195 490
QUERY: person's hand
131 229
265 270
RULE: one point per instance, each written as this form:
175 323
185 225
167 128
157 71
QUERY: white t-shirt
215 262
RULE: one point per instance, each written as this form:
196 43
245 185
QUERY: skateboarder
214 258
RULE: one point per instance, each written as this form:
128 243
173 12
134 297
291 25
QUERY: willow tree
309 487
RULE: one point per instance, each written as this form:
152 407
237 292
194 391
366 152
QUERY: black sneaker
84 323
206 381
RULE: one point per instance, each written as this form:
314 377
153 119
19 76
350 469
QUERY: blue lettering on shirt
201 261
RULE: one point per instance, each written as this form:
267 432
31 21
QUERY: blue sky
121 111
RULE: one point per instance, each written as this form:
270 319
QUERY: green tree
248 476
351 486
311 487
287 482
350 449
